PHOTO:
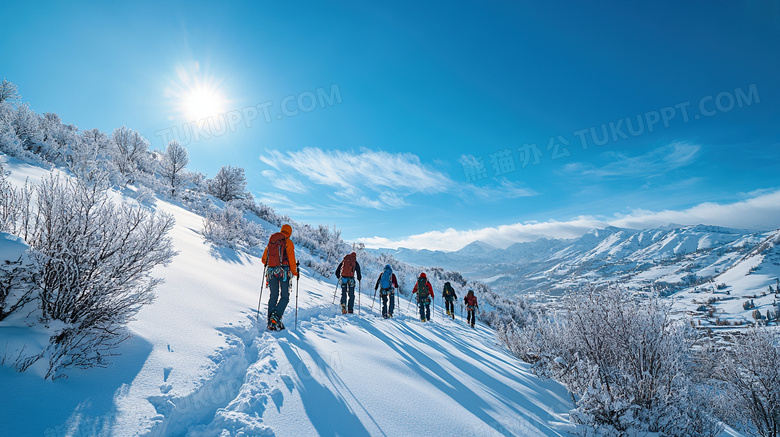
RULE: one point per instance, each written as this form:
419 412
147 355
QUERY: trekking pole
335 291
262 285
297 281
359 293
411 296
372 300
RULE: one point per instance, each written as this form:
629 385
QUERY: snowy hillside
199 365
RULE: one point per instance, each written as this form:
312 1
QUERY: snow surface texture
199 365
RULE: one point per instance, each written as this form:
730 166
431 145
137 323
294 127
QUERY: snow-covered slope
199 365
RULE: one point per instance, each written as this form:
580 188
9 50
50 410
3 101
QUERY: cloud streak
375 179
654 163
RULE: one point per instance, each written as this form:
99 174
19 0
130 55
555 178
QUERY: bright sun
202 102
196 94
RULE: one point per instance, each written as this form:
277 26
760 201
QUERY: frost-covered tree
172 170
27 127
17 275
85 153
58 140
229 184
627 362
94 259
129 148
750 373
8 92
229 228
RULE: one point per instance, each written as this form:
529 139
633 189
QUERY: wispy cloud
503 189
285 182
656 162
374 178
757 213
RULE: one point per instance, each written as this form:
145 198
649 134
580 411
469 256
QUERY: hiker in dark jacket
347 270
449 297
471 306
388 284
280 264
424 291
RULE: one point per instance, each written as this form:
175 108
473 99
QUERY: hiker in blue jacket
389 284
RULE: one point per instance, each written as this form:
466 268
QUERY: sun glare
203 102
196 94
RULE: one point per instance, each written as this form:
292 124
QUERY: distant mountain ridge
674 260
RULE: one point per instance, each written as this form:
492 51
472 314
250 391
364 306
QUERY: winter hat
422 275
387 266
287 230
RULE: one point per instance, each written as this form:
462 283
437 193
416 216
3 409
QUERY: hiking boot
422 319
390 316
350 312
343 309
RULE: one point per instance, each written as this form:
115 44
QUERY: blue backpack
387 278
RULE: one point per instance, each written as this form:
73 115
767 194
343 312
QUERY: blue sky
431 124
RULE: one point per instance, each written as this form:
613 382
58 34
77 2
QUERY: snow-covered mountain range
710 271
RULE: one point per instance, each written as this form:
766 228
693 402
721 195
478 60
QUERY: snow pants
276 303
471 317
449 305
348 290
385 297
425 309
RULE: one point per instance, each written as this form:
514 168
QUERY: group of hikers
280 267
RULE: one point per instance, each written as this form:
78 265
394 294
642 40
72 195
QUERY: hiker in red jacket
346 271
471 306
424 292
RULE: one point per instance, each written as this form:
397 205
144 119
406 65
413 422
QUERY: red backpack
348 266
277 250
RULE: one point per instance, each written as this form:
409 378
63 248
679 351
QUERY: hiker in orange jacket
279 261
424 296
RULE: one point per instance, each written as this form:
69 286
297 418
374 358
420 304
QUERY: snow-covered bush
94 259
128 148
749 374
8 92
229 184
228 227
628 363
172 167
17 276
